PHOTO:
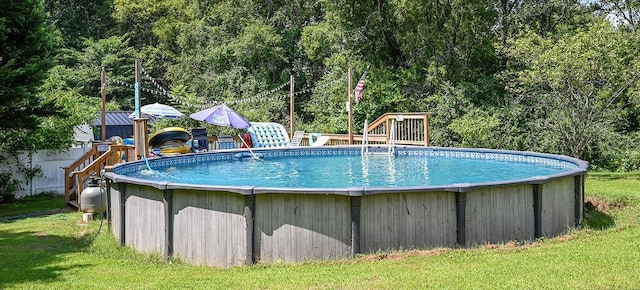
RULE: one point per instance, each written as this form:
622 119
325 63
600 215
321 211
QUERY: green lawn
32 204
58 252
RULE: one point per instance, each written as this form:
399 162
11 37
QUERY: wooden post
139 124
103 93
388 129
291 105
426 130
140 137
349 105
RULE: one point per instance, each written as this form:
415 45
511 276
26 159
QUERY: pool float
170 140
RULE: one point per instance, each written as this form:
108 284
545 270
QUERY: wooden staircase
91 164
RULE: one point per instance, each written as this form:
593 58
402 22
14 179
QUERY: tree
152 28
27 52
82 70
78 20
625 12
578 87
231 54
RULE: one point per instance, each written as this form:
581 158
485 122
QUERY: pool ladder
365 140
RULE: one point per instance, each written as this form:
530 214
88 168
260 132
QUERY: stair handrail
69 182
115 154
392 137
365 139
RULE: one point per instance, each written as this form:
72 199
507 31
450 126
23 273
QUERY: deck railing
91 164
410 129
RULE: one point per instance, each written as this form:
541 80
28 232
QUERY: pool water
343 171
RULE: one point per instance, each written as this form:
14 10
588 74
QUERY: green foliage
328 106
548 17
224 61
447 105
81 71
8 187
27 52
149 22
318 41
78 20
619 152
577 85
476 128
54 132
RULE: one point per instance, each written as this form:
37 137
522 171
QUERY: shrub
8 187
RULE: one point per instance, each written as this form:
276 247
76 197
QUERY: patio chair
268 135
226 142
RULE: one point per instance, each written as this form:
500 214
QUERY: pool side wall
407 220
498 214
209 227
300 227
225 227
138 217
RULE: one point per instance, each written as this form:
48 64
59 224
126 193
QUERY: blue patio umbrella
157 111
221 115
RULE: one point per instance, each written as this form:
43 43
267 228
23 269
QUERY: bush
618 152
8 187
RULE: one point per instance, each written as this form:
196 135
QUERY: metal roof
114 118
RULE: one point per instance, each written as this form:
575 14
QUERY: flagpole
349 105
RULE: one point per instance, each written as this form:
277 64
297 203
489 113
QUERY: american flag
359 90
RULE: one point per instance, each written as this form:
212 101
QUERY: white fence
51 162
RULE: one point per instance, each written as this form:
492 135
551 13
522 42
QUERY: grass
32 204
59 251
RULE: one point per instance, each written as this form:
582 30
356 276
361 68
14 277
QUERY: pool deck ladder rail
365 141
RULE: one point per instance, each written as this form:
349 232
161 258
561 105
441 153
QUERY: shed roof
114 118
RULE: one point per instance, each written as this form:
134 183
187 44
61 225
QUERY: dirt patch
430 253
40 235
602 206
509 246
82 234
397 256
565 238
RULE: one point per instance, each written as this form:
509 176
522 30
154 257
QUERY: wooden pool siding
209 227
409 220
498 214
225 229
145 217
558 205
300 227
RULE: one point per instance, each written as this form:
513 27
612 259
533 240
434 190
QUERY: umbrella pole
248 148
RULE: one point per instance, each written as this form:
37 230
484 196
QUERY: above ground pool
227 208
318 168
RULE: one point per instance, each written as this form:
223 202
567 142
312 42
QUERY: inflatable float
171 140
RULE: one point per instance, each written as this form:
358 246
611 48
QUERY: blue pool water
343 171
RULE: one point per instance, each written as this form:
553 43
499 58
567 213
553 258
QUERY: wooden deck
410 129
